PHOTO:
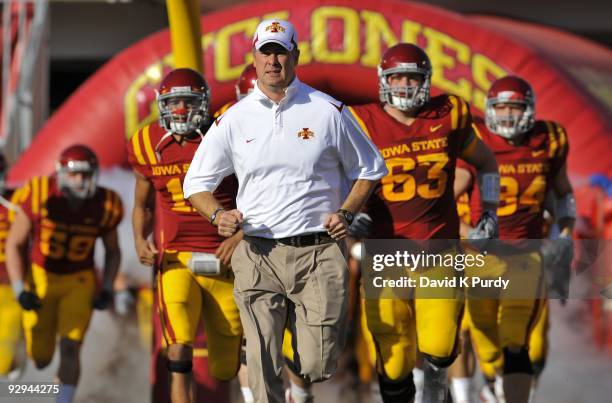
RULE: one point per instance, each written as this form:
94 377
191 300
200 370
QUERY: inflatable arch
341 42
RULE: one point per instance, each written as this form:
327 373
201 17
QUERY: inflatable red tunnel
341 42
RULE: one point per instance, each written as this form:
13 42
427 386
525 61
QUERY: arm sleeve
212 161
359 156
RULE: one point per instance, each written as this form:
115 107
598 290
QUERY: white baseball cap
276 31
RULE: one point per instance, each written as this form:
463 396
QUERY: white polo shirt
295 161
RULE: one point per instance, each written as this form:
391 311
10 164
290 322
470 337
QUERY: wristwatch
213 216
348 216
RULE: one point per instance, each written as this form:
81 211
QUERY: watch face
348 216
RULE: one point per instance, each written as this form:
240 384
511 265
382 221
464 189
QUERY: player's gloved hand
124 302
104 299
361 226
557 255
487 227
28 300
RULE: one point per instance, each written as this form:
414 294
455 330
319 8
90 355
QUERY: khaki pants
303 288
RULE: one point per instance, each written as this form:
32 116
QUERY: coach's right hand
28 300
146 251
228 222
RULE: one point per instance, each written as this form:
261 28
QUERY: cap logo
275 27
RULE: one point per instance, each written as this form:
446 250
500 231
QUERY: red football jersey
64 237
415 200
165 162
5 224
526 175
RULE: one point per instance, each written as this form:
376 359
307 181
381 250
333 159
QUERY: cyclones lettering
457 69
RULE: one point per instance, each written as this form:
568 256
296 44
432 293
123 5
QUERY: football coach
304 169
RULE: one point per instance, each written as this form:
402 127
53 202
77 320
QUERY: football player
532 161
194 277
10 311
61 216
420 138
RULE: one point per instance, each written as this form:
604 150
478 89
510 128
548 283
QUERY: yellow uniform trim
223 109
360 122
44 190
137 150
464 113
18 198
44 194
108 206
552 140
454 112
35 195
476 131
562 139
146 139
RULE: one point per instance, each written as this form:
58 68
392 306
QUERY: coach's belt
318 238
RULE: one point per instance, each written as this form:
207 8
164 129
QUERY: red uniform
4 229
415 200
64 238
526 175
186 298
180 226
